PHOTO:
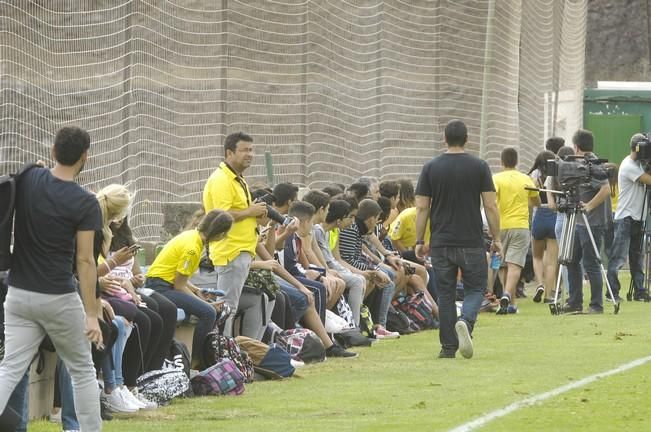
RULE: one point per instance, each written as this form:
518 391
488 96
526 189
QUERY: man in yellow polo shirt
513 201
227 190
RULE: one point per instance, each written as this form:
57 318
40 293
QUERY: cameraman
628 222
227 190
595 202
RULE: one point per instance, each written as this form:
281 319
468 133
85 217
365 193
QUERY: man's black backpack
7 207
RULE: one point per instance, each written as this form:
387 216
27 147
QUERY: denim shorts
543 225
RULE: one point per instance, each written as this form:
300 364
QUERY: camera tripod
645 251
566 252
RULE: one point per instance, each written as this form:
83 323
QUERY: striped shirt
350 248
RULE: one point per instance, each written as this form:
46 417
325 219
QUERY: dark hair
613 177
456 133
565 151
317 198
358 190
351 200
230 143
301 210
389 188
385 206
215 223
284 192
368 208
338 209
540 163
553 144
332 190
70 143
583 140
509 157
122 236
407 194
635 139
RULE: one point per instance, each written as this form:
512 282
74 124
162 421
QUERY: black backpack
7 208
179 355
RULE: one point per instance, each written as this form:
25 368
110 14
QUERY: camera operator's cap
636 139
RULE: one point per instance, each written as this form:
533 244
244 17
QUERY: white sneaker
117 404
143 401
129 398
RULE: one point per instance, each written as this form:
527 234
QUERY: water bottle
496 261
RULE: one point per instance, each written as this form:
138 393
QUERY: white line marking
483 420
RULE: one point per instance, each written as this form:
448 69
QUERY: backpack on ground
270 361
418 308
179 356
302 345
352 338
223 378
398 321
8 184
218 347
343 309
366 322
163 385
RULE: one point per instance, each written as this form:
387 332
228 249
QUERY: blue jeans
68 415
192 305
627 242
19 402
388 291
447 261
584 254
112 366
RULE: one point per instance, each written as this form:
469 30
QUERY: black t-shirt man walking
56 220
449 191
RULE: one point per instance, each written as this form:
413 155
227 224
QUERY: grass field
401 385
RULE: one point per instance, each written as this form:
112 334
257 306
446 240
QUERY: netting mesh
333 89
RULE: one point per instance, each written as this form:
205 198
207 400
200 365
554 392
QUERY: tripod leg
616 304
555 307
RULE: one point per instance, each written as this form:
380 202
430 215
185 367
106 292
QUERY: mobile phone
134 248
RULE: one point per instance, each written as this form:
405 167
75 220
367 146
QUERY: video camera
273 214
575 171
643 149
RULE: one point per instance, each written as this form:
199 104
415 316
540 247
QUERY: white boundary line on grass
483 420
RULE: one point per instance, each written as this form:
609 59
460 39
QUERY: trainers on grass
465 341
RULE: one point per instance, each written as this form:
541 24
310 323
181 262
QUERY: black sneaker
539 294
445 354
337 351
105 412
595 310
568 308
504 305
641 296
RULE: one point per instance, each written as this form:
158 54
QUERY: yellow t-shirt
223 191
403 228
334 238
513 198
614 198
181 255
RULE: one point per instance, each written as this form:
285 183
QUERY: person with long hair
180 258
145 338
407 195
544 244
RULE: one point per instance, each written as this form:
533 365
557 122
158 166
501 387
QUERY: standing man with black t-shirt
56 220
449 191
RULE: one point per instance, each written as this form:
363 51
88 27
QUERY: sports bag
302 344
163 385
417 308
218 347
223 378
